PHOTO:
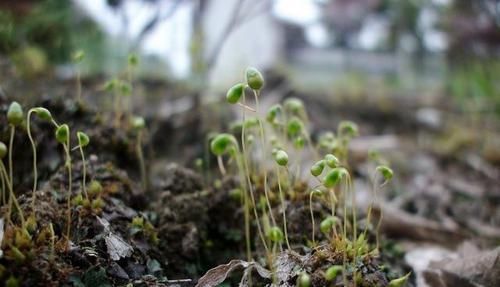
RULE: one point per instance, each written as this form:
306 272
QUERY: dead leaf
217 275
116 246
285 266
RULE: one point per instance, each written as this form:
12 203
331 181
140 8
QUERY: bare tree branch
154 21
235 22
227 31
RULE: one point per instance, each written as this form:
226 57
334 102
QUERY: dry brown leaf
217 275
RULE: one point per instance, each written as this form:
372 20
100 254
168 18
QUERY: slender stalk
353 203
142 165
344 235
312 218
11 145
70 188
54 123
220 163
381 216
354 222
264 151
309 140
249 181
35 170
246 107
370 208
12 197
118 112
84 181
78 86
246 211
283 207
333 200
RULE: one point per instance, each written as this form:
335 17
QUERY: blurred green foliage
50 26
476 83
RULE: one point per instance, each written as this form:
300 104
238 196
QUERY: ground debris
217 275
476 268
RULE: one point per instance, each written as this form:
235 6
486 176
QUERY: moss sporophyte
83 141
62 135
45 115
15 117
77 58
283 140
138 124
12 200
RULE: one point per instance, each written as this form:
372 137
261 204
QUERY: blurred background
425 61
401 45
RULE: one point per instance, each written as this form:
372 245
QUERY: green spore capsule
221 143
250 139
326 140
327 224
275 234
294 105
254 79
273 113
110 85
234 93
43 113
304 280
3 150
332 161
374 155
78 56
294 127
236 127
125 88
334 177
83 139
317 168
274 151
62 133
138 123
281 158
251 122
332 272
299 142
133 59
386 172
15 114
348 128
